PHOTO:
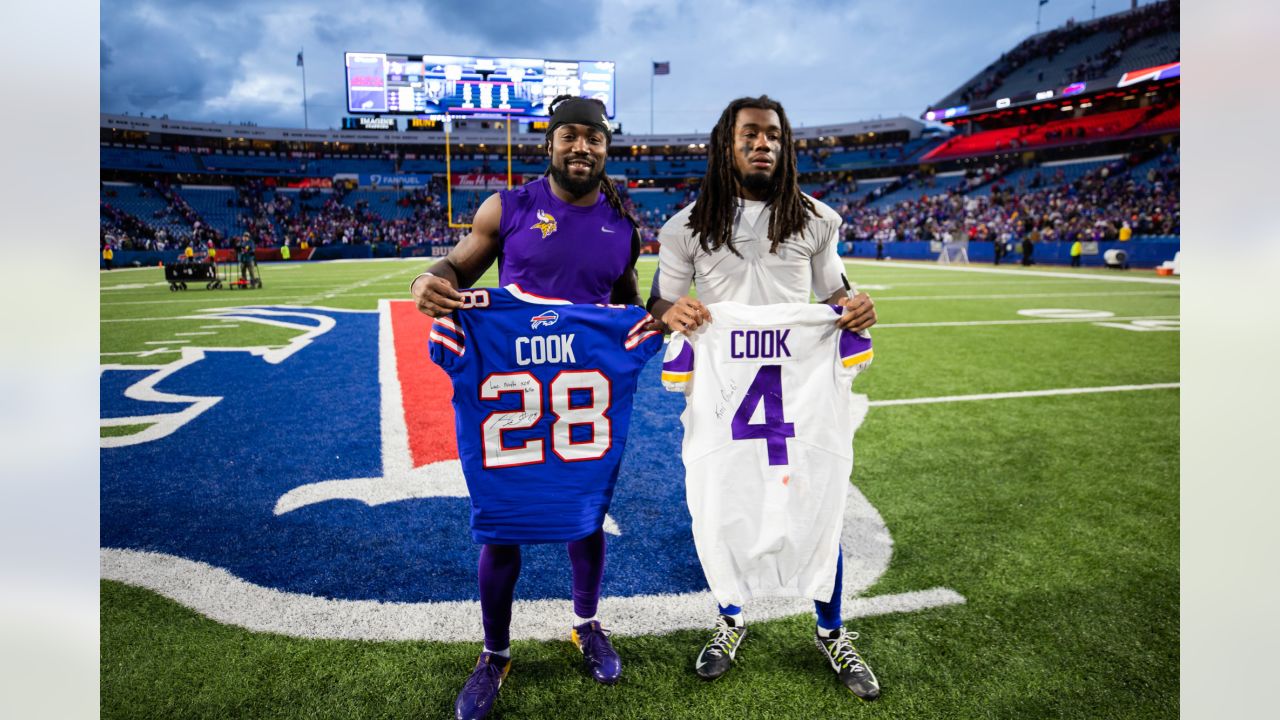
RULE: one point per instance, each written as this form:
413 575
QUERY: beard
577 187
759 183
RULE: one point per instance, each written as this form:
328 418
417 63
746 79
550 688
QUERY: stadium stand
1139 38
1074 166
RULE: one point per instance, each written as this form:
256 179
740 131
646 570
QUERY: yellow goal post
448 168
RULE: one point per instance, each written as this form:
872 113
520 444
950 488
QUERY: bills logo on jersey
543 319
314 489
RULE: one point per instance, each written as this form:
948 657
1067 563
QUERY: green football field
1022 448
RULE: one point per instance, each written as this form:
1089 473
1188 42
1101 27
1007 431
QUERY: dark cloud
171 60
651 21
529 24
339 31
827 60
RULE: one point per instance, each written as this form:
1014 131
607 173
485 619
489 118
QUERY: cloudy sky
826 61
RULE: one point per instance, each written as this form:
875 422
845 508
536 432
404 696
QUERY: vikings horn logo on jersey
546 223
313 489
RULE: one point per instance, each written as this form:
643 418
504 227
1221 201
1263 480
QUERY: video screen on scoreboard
459 85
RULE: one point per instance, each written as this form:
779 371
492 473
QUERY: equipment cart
179 274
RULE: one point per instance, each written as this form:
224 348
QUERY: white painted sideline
221 596
904 265
1023 296
1035 321
1024 394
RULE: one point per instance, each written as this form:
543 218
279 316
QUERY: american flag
299 58
662 68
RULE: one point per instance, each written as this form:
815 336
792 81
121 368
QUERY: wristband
411 282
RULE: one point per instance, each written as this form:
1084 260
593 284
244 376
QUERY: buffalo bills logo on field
544 319
312 488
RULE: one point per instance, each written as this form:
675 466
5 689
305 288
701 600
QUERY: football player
755 238
565 236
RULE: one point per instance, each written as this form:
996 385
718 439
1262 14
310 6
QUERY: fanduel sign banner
379 180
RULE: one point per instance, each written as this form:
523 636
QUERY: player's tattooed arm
436 290
859 310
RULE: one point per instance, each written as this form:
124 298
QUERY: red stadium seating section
1058 132
1170 119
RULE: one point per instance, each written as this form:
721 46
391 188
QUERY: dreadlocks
712 217
607 187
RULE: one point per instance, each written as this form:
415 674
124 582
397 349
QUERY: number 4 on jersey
765 388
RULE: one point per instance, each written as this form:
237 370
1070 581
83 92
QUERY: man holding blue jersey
754 238
563 236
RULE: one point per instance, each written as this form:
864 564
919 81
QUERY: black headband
580 111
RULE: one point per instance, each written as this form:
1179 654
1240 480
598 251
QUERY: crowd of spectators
1107 203
1156 21
1151 20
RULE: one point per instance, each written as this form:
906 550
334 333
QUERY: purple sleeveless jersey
554 249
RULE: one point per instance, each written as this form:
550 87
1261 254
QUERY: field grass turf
1055 517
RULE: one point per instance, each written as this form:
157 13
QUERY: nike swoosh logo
699 664
605 228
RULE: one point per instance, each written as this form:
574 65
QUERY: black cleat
717 654
849 665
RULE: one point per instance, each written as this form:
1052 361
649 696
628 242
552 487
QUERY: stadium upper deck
172 179
1142 37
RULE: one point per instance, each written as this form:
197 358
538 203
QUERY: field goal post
448 168
952 253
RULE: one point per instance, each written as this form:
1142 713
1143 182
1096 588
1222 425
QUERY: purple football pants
499 570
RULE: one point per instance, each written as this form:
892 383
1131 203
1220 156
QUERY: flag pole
306 123
652 73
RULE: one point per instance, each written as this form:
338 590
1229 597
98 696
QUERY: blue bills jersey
542 393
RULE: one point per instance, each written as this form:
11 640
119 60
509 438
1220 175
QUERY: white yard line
148 319
292 299
249 296
1010 271
883 285
165 342
334 292
184 334
974 323
1020 296
1025 394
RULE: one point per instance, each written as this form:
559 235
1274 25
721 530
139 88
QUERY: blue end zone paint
114 404
207 491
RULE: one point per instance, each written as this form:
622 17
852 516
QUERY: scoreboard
387 83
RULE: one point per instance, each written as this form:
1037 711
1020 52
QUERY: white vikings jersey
768 444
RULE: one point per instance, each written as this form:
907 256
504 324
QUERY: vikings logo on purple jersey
546 224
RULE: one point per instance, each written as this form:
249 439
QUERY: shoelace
485 678
841 649
723 638
595 641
